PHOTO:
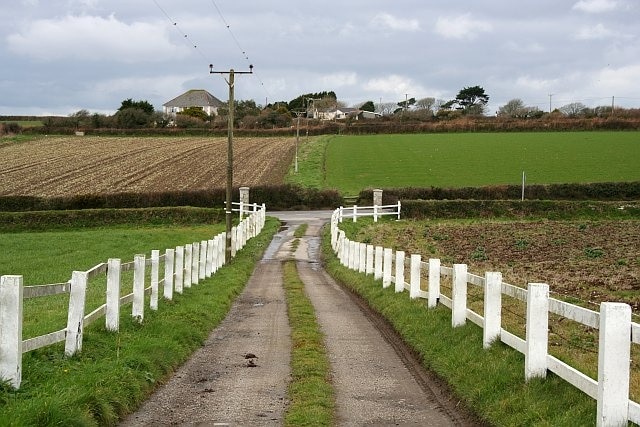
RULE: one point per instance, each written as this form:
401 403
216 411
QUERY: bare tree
574 109
426 104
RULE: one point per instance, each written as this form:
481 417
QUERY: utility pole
298 114
228 206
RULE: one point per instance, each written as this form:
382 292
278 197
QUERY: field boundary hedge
576 191
512 209
73 219
276 197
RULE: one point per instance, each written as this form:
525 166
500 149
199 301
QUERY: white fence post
375 213
113 295
434 283
362 258
155 268
11 314
75 316
208 271
202 272
414 290
613 364
188 260
377 263
195 262
386 267
535 356
492 322
346 252
355 255
369 260
179 269
234 241
398 210
459 296
215 253
341 214
399 285
355 213
168 273
137 311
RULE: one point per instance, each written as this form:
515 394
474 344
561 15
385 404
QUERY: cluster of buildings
210 104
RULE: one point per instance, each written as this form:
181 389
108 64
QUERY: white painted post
398 210
375 213
137 311
355 213
179 269
346 252
492 323
75 316
342 243
386 267
202 273
208 271
341 214
362 258
214 260
353 254
414 281
223 249
168 273
535 356
155 267
234 241
356 256
434 283
195 262
377 263
459 296
113 295
399 285
11 314
369 260
188 261
613 364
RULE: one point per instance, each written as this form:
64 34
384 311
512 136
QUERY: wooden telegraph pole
228 206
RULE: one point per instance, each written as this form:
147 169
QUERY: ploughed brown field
72 165
592 261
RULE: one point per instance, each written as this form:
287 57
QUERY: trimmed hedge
55 220
512 209
577 191
276 197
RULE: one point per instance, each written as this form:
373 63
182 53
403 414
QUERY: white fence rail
183 266
616 330
375 211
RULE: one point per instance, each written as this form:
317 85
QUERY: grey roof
194 98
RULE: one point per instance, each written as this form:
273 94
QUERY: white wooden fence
183 266
616 330
375 211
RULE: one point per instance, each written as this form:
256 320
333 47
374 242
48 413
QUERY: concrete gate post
377 197
244 201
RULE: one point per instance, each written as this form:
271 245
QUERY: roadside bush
592 191
549 209
276 197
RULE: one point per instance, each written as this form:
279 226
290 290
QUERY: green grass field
353 163
25 123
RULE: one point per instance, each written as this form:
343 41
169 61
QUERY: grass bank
490 381
115 372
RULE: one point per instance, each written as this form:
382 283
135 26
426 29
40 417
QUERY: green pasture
25 123
353 163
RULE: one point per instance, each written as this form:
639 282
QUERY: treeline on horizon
351 126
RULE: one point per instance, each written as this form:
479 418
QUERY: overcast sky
60 56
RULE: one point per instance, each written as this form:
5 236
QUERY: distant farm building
193 98
345 112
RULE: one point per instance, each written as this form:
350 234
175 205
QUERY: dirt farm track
70 165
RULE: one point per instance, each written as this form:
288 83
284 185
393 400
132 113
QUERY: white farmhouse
193 98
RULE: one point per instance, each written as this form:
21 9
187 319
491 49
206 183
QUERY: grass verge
311 395
491 381
116 371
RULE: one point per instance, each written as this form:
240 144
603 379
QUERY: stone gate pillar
244 201
377 197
